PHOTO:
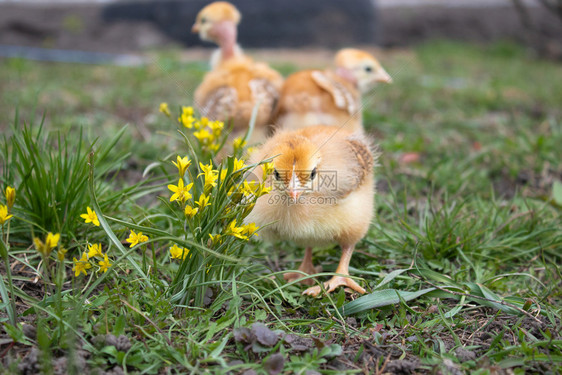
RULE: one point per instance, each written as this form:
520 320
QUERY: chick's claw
332 284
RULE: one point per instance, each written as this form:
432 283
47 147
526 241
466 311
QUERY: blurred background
111 26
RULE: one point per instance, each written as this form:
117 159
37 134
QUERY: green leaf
496 301
381 298
391 276
557 192
331 351
119 326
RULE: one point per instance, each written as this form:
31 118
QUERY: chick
323 193
235 84
330 97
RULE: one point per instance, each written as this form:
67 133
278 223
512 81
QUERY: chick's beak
195 28
383 76
294 193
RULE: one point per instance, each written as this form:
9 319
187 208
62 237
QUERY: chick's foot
332 284
292 276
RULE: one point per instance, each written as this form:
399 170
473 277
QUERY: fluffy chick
231 90
331 96
323 192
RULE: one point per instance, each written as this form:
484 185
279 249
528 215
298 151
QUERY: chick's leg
336 281
306 266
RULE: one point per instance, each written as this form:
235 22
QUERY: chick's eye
313 174
277 175
368 69
203 20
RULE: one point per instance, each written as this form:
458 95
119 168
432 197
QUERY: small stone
465 355
401 367
29 331
110 339
123 344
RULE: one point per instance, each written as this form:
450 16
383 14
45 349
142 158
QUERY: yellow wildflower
203 201
104 264
263 190
181 192
135 238
267 169
214 146
165 109
94 250
81 265
205 168
215 239
250 229
235 231
203 136
90 217
216 127
52 240
186 118
177 252
61 254
211 179
10 196
250 150
238 164
39 246
50 243
187 110
238 143
203 123
248 188
190 212
4 214
210 174
182 164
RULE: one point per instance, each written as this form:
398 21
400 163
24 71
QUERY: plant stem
4 249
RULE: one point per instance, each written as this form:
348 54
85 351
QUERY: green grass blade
106 226
381 298
10 302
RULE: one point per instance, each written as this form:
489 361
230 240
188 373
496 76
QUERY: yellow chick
330 97
235 84
323 192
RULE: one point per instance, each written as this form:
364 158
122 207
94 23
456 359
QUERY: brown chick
236 84
330 97
323 192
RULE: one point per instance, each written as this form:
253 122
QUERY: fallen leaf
298 343
274 364
243 334
264 335
476 146
409 157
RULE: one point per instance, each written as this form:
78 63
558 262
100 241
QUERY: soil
479 331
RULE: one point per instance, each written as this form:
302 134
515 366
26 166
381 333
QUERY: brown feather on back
234 88
364 157
342 95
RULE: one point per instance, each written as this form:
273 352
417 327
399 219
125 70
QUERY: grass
461 263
